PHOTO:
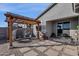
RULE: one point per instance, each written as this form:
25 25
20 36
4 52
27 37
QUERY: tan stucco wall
50 27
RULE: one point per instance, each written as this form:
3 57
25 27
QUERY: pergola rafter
15 18
18 18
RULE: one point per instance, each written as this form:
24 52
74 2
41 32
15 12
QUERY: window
76 7
66 25
60 26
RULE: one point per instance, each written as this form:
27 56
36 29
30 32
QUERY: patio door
59 29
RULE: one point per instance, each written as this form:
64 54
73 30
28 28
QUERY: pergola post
8 32
10 23
38 31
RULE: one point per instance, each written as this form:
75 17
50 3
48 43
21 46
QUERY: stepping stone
53 42
58 48
46 41
41 48
47 44
71 47
41 43
64 55
22 50
70 52
31 53
4 54
12 55
51 52
35 44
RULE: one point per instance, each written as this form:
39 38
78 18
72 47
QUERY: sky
32 10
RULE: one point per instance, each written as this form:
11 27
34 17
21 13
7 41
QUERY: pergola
15 18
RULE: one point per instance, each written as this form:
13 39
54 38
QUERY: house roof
52 5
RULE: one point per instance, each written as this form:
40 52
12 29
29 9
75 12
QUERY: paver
4 54
31 53
70 52
64 54
57 48
41 43
35 44
12 55
53 42
51 52
71 47
46 47
42 49
22 50
48 43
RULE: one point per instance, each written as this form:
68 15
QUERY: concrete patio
39 48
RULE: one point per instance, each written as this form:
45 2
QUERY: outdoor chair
53 35
43 36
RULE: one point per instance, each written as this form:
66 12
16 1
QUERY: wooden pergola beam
21 17
27 22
